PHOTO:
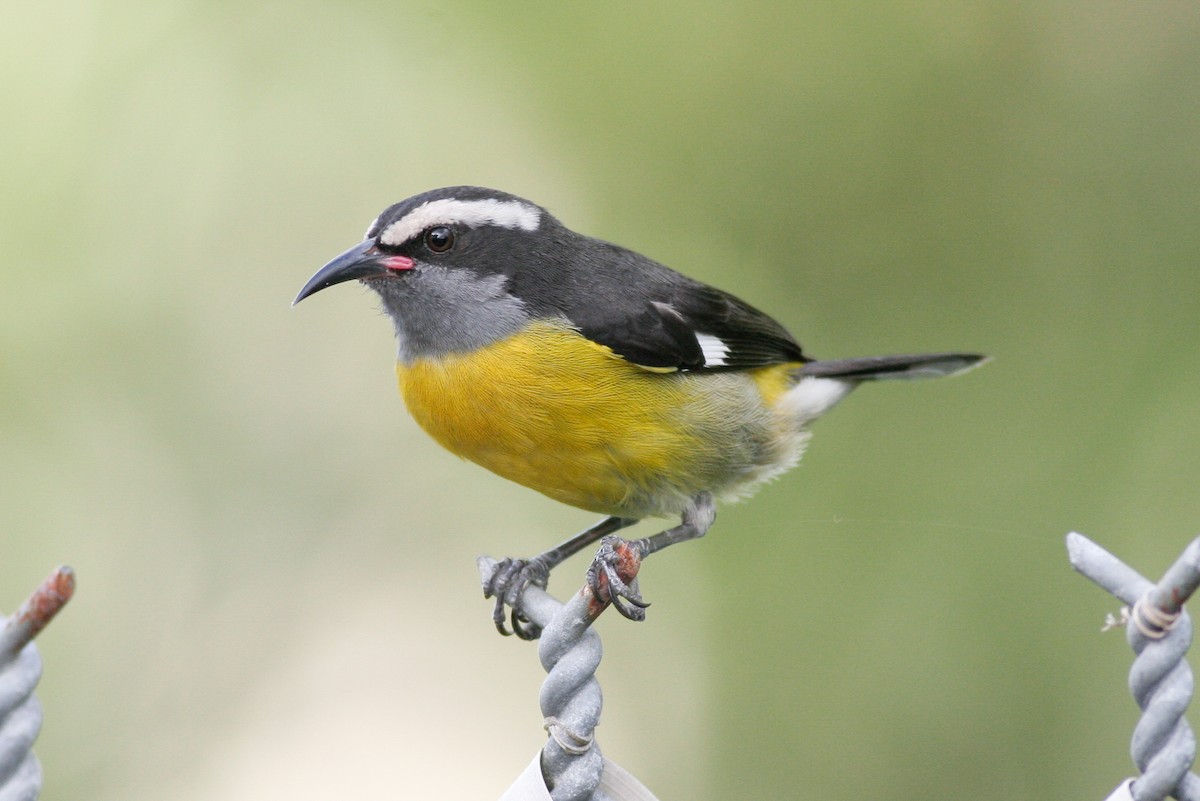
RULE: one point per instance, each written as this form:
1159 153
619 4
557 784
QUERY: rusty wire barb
1159 631
20 669
570 698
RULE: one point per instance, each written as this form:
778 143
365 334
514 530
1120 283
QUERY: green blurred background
277 596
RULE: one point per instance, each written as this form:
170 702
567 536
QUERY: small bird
591 373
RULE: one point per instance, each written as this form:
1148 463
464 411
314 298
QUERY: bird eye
439 239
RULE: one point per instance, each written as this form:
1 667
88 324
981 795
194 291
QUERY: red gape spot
398 263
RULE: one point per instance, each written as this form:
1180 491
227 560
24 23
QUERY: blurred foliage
277 596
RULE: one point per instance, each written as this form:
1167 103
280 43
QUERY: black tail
878 368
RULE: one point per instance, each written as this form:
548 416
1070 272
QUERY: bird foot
506 584
615 558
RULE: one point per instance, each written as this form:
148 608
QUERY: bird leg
512 576
603 575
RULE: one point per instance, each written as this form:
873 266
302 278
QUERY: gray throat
438 311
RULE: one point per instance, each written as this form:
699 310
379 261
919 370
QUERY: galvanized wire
570 698
20 722
20 669
1159 631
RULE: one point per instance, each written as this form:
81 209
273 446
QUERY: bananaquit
591 373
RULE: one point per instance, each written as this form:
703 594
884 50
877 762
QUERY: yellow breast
553 411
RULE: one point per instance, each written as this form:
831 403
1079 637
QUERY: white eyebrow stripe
714 350
472 213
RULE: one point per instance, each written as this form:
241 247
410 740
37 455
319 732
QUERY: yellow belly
560 414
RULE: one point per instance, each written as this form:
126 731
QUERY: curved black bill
360 261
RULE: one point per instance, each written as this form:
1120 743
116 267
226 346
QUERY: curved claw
604 578
498 617
626 599
630 608
524 628
506 585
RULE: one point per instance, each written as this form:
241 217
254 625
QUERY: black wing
686 325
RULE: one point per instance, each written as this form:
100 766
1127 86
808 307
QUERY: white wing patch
472 213
714 350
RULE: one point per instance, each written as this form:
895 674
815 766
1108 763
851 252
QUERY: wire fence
571 767
1159 631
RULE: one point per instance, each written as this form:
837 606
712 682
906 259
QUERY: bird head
444 264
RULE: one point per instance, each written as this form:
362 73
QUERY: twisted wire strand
1163 744
570 697
570 651
20 669
20 722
